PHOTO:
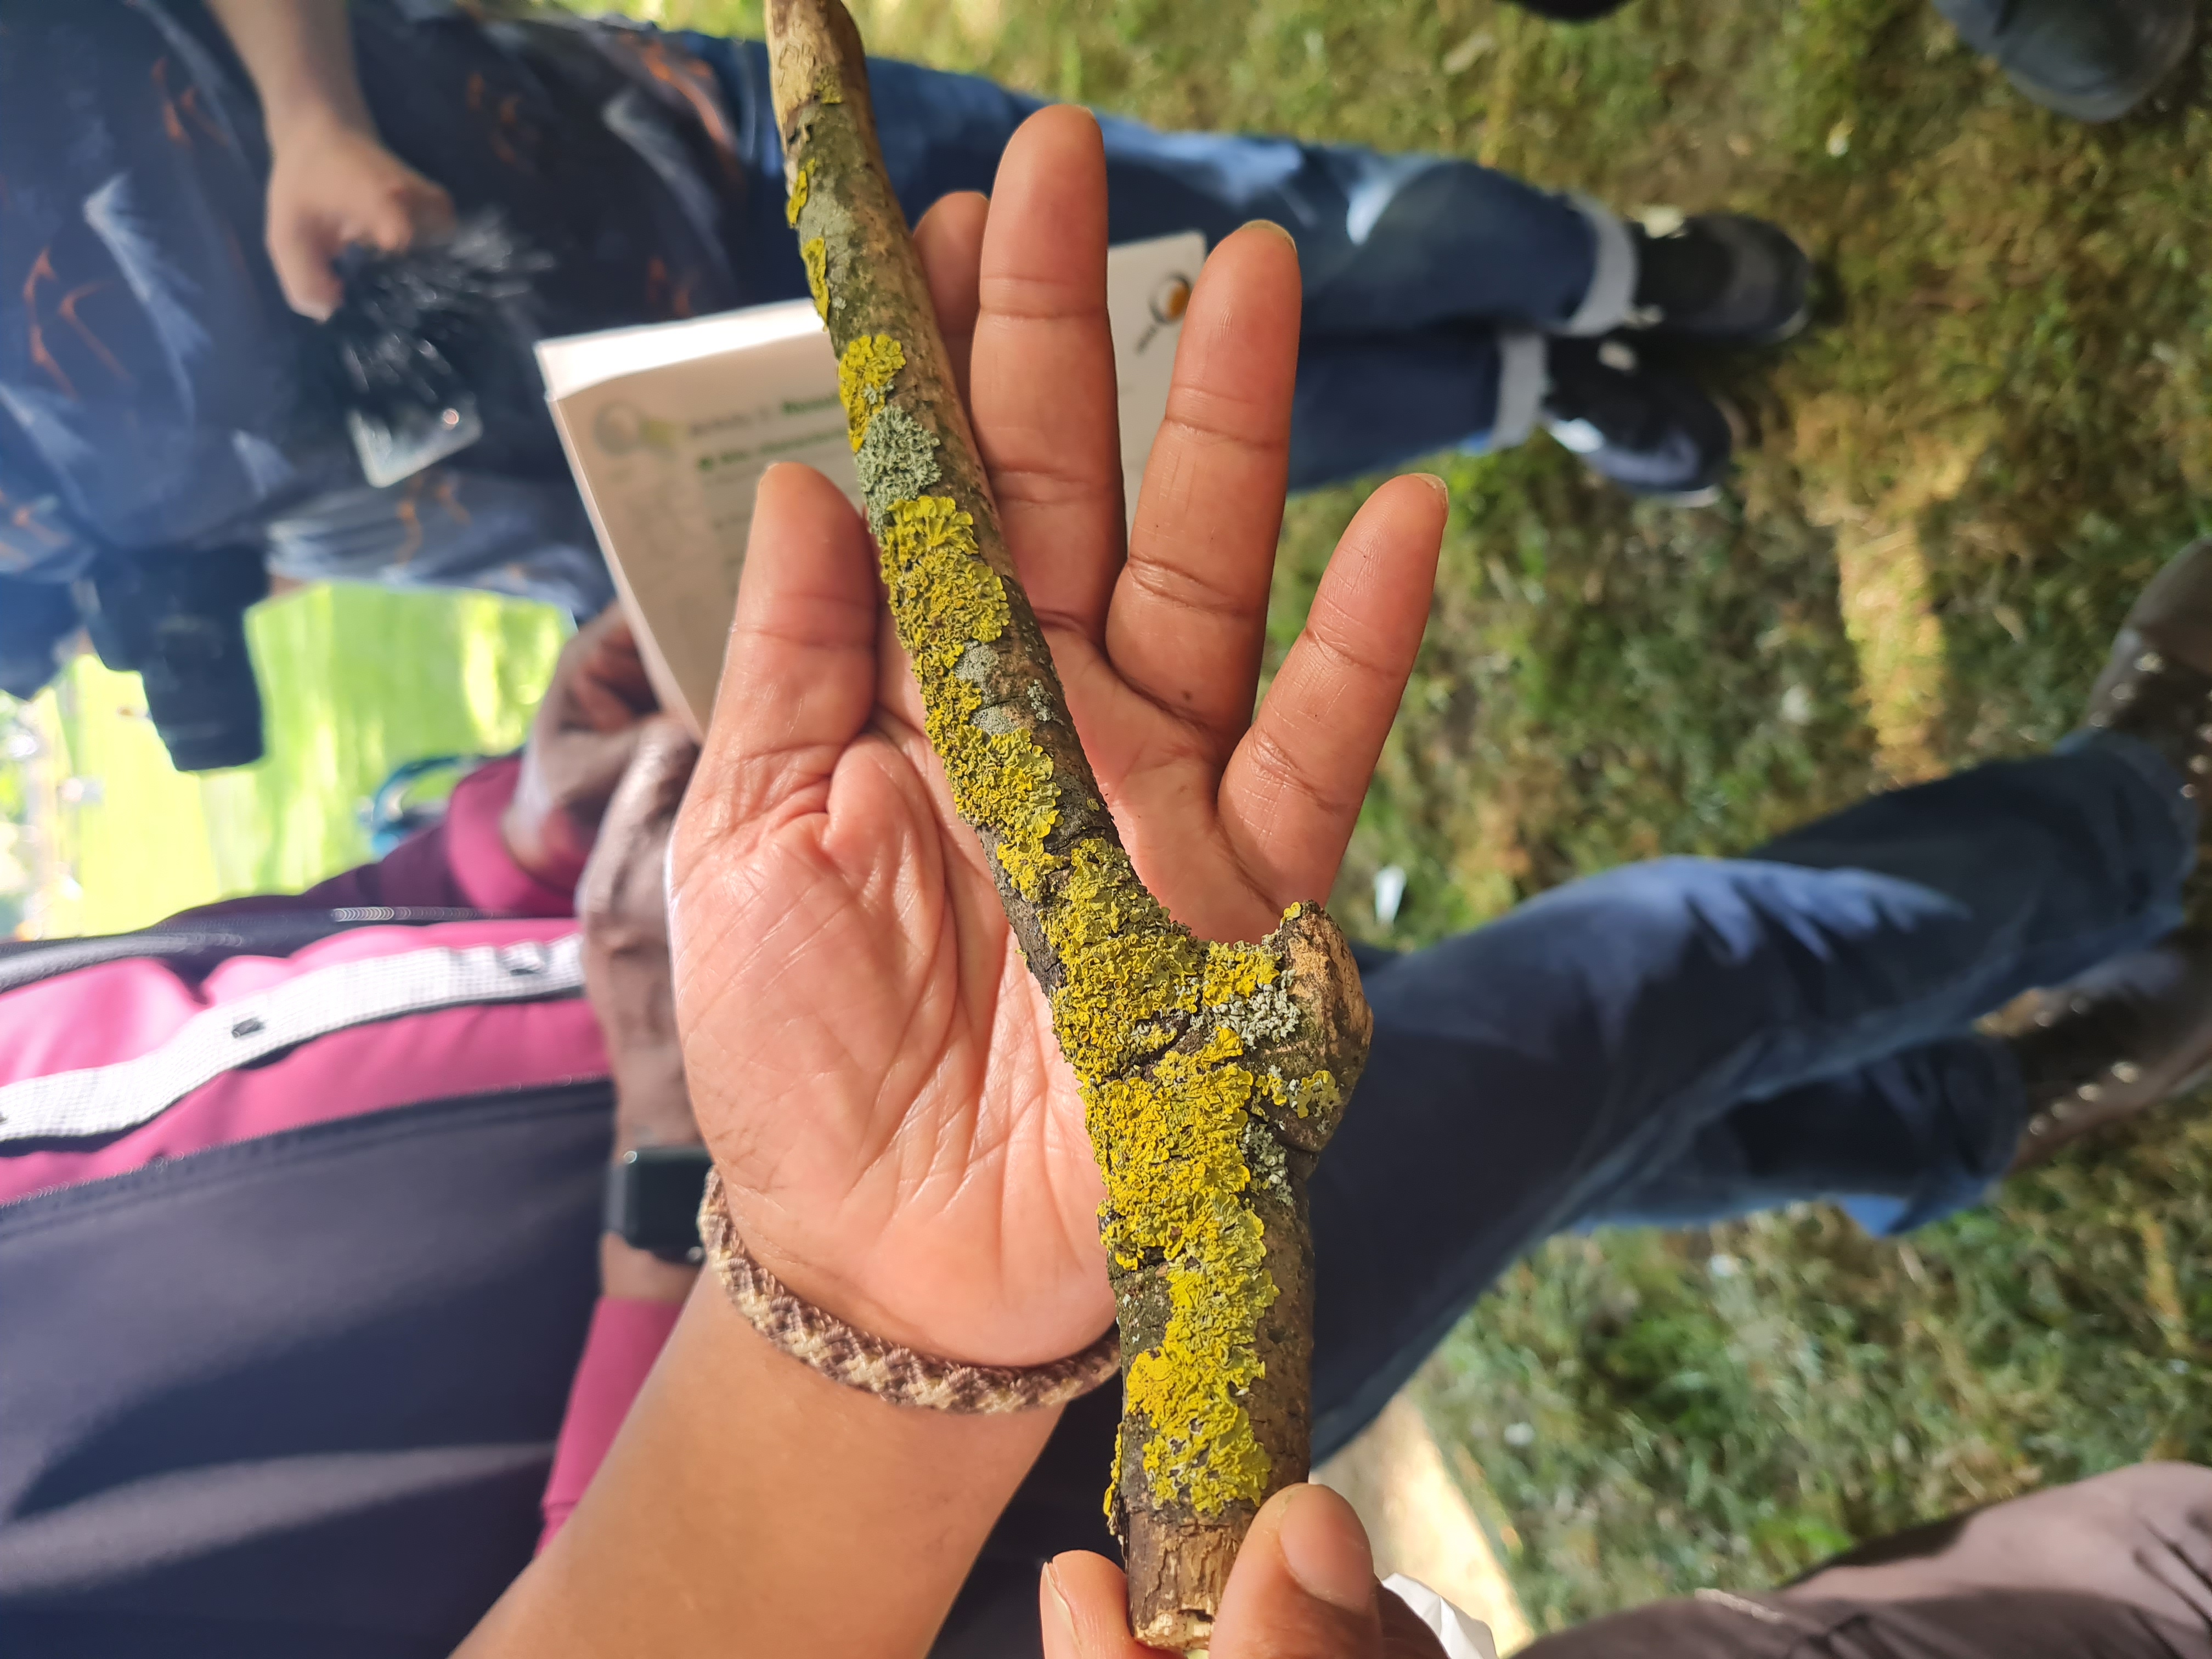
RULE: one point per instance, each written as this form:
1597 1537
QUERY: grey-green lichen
896 461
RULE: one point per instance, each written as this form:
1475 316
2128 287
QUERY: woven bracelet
868 1363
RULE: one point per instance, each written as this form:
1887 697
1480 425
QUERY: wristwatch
652 1201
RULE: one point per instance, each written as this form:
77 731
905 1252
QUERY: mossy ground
2002 427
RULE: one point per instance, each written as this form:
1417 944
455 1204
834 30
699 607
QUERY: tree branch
1212 1073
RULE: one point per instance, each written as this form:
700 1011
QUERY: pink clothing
117 1010
626 1338
99 1016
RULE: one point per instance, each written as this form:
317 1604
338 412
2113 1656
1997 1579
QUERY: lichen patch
865 374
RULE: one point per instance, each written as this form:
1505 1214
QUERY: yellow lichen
1171 1122
1235 970
801 181
865 374
946 598
1171 1147
815 256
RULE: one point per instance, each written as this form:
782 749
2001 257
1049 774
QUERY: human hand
622 905
870 1062
332 185
1303 1587
587 728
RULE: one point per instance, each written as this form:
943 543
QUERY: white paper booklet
669 427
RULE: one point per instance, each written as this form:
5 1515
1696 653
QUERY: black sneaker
1653 433
1722 276
2157 686
2092 59
2127 1034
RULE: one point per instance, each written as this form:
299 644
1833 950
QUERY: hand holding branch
903 893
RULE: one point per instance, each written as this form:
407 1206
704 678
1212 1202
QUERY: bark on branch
1212 1075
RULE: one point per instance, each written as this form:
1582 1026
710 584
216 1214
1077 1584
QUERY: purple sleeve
461 864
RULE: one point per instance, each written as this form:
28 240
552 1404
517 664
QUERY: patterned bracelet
868 1363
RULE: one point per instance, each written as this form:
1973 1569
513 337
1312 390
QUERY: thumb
301 248
1304 1586
1083 1605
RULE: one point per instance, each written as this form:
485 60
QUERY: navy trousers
1681 1041
1428 281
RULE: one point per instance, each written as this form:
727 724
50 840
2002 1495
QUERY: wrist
306 114
629 1274
652 1108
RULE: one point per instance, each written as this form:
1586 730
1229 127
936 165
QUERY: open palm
869 1059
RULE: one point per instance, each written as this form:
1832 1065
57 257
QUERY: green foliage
354 680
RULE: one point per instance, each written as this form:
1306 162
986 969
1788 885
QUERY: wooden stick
1212 1074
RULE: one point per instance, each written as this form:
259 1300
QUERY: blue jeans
1679 1042
1429 282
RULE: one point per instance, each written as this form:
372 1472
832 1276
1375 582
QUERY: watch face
653 1200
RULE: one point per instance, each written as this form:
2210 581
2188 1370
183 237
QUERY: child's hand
332 187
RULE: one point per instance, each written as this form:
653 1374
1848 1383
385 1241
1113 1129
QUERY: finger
1190 610
388 222
301 252
608 675
1293 789
589 768
432 209
1304 1585
1083 1602
1043 370
950 243
799 683
622 876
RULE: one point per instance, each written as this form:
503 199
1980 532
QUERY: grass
2000 429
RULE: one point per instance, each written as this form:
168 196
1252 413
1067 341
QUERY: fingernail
1442 489
1057 1612
1269 224
1325 1549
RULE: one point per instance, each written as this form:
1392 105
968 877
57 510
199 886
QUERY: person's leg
2119 1563
2119 1566
1430 282
1530 1076
1364 405
2092 59
1899 1142
1388 243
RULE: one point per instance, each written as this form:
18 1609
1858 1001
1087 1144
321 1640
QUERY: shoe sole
2112 106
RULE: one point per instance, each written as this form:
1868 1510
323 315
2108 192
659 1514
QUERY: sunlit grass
354 681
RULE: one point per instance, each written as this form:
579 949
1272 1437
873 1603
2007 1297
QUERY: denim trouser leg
1559 1066
1412 263
1898 1142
